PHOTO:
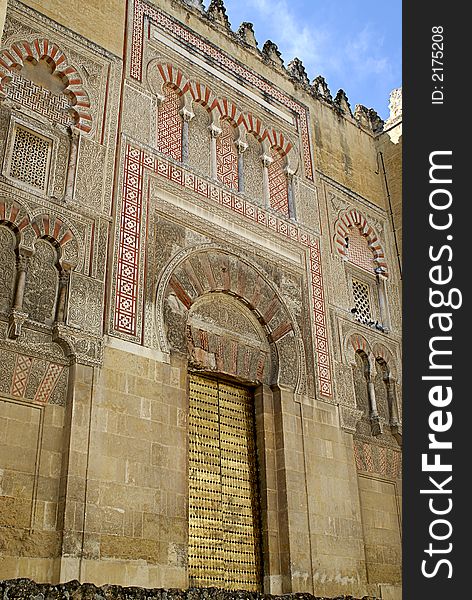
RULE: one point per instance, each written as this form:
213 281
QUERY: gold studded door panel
224 532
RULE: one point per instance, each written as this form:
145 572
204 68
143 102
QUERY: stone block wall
157 267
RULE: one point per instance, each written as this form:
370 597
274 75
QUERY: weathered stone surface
26 589
229 247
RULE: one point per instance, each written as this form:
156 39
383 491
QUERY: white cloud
294 38
356 63
363 54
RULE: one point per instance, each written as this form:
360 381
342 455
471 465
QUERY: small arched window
170 125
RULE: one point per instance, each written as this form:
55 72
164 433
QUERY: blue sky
354 44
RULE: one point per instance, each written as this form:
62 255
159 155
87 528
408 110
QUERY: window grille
30 158
361 295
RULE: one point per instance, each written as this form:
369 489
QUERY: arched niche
42 283
8 244
205 286
44 64
225 337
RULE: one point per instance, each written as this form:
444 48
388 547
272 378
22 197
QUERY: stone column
22 268
17 315
214 133
266 162
242 147
74 138
64 279
187 116
392 402
384 316
291 203
376 424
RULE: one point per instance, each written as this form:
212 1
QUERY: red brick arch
13 58
173 77
383 354
354 218
225 108
201 94
278 141
254 126
13 215
52 228
198 272
228 111
359 343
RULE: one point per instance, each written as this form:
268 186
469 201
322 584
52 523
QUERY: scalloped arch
354 218
14 58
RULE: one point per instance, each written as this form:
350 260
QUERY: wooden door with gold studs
224 513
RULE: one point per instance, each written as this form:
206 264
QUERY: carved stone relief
7 268
42 283
85 303
206 271
253 172
224 337
89 179
199 140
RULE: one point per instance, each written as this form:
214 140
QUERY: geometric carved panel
53 106
358 251
278 184
169 125
227 156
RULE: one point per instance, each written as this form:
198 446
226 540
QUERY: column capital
215 131
241 146
186 114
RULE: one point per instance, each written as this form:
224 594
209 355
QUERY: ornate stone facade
193 210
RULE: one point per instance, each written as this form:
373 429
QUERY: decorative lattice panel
227 156
52 106
30 158
361 295
358 251
224 531
278 184
169 125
